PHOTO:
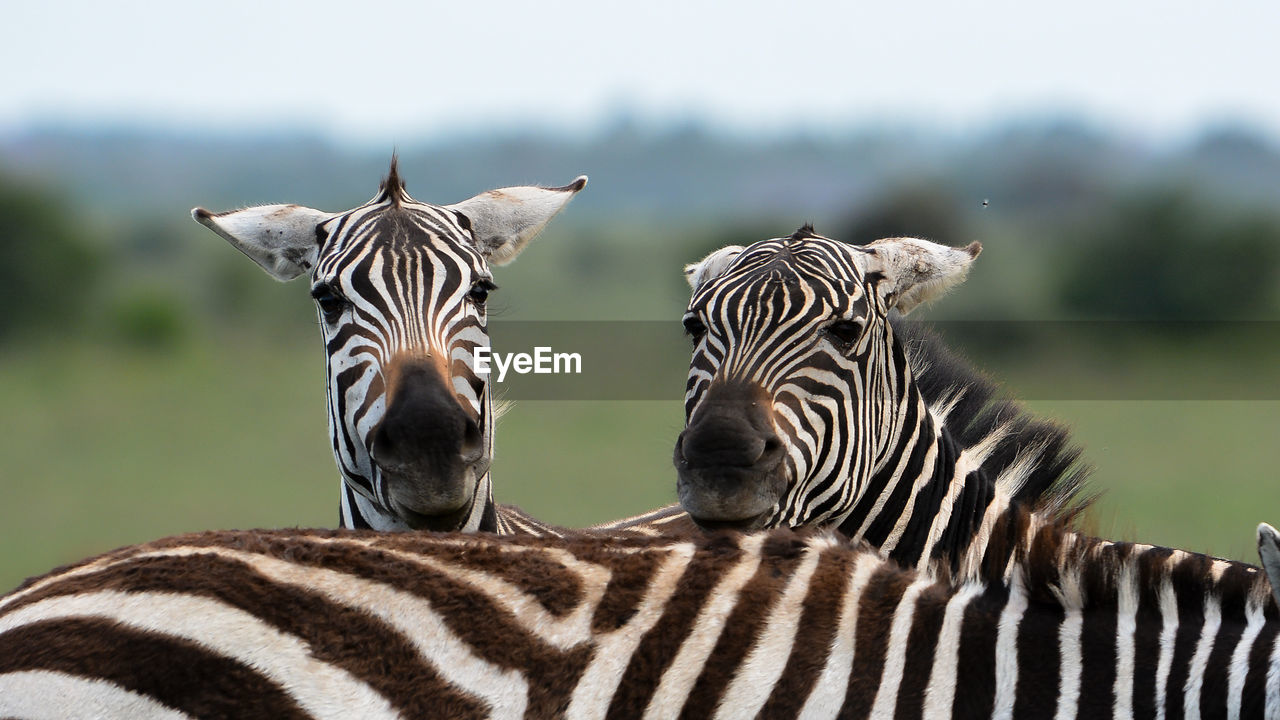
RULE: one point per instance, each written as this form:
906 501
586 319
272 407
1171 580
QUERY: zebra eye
331 303
694 328
845 332
479 292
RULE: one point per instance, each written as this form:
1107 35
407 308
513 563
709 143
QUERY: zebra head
796 383
400 287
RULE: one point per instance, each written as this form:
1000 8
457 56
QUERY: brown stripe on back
922 642
348 638
1187 579
659 646
976 671
1146 641
780 554
1038 655
632 573
172 671
1213 691
1039 661
1255 682
876 606
537 573
1098 637
491 632
819 619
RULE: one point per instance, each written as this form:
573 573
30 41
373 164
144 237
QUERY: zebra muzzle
729 459
428 449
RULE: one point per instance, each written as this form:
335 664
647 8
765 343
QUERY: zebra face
400 288
794 375
400 291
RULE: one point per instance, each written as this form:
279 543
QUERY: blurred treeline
1078 222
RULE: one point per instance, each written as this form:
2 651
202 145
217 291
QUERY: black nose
731 428
728 442
424 427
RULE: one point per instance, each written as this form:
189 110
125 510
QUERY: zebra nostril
472 443
382 445
772 449
383 449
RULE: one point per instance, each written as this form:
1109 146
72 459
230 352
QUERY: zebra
806 405
400 288
773 624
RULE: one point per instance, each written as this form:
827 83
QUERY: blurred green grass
105 446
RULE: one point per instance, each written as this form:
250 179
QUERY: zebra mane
1055 563
805 231
1033 459
392 187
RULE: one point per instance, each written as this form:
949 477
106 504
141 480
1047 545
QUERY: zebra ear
503 221
913 271
280 238
711 266
1269 551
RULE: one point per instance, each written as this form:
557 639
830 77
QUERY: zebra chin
730 498
432 502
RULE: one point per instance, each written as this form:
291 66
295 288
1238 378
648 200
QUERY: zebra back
775 625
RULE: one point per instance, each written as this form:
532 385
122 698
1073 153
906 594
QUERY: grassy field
105 446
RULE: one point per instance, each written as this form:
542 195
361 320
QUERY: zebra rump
320 624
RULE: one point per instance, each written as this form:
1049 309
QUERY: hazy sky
398 71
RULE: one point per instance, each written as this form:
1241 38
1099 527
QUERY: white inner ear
711 266
280 238
916 271
503 221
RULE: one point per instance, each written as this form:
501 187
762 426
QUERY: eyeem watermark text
543 361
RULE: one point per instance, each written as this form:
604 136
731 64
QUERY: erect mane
1033 458
805 232
392 187
1057 564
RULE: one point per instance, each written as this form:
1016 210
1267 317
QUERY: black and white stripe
345 624
400 287
807 406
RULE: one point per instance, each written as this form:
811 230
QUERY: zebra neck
359 513
484 512
929 499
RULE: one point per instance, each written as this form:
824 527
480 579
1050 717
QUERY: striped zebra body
807 406
314 624
400 288
669 520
